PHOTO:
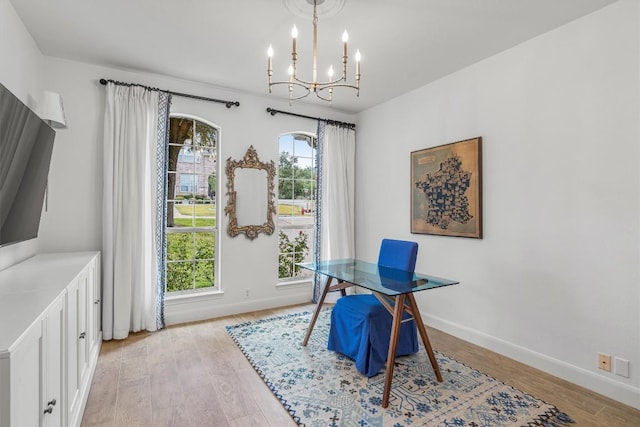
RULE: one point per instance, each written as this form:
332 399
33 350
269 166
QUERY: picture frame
446 189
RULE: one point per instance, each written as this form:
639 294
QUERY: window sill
291 284
191 296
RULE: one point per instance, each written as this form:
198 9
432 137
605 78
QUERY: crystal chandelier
323 90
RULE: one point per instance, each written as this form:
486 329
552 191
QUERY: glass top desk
393 288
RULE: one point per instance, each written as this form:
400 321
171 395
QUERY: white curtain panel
129 214
338 163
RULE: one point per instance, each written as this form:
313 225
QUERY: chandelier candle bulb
345 39
294 37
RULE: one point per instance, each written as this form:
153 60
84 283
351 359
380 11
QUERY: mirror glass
251 196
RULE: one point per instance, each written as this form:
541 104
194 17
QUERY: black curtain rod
273 112
229 104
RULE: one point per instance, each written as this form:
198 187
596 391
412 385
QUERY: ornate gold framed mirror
249 207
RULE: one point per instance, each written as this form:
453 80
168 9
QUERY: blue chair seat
360 329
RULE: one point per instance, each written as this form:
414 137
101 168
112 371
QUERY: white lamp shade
51 109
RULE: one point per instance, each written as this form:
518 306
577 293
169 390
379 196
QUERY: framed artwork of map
446 189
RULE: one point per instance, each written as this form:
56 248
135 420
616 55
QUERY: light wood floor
194 375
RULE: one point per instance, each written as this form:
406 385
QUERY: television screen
26 143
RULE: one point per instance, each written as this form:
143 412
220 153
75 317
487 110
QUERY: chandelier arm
329 99
286 82
319 84
338 85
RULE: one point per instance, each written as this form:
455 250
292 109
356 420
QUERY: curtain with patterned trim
335 228
317 278
162 157
135 153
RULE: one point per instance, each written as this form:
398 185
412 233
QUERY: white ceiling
404 43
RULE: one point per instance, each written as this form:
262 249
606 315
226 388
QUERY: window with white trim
191 214
297 170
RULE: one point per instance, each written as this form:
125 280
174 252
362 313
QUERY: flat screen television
26 144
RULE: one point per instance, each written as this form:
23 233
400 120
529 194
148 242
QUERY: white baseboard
192 310
608 387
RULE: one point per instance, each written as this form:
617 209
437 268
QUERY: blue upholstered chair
361 325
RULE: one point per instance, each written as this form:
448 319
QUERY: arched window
191 215
297 172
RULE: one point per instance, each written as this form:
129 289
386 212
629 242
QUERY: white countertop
28 288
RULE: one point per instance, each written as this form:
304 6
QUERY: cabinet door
73 381
91 301
77 343
25 372
83 341
94 305
53 413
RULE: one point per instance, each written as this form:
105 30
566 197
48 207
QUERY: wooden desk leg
343 291
423 335
327 285
398 311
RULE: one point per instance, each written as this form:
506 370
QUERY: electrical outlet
604 362
246 293
622 367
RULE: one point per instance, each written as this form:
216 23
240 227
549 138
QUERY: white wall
554 281
74 219
556 278
20 73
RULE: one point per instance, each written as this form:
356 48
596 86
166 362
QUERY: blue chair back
400 254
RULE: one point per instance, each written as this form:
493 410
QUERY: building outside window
189 156
187 182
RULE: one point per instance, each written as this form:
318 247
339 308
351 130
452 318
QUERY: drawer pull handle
52 403
82 335
48 410
97 301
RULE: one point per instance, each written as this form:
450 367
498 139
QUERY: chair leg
423 334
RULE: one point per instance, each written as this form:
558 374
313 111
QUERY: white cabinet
49 338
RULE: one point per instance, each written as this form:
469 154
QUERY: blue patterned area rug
322 388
